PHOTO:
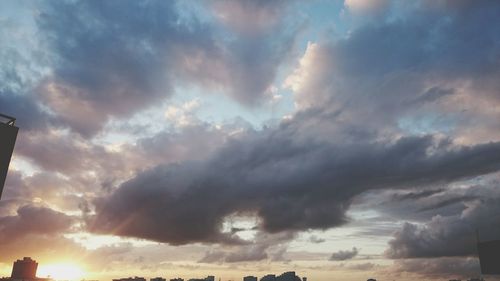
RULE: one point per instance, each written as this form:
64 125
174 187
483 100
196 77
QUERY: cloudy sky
340 139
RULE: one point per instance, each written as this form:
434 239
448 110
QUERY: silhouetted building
269 277
158 279
249 278
177 279
8 133
371 279
288 276
24 269
208 278
131 279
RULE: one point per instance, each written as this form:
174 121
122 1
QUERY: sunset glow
61 271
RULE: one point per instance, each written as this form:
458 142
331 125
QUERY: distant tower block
8 135
24 269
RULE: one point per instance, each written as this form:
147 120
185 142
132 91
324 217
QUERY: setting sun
62 271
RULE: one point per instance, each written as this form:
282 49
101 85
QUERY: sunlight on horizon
61 271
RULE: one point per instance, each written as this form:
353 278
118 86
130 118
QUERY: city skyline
338 139
25 269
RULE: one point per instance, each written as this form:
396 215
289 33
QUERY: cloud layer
386 108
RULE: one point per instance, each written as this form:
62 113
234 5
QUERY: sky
339 139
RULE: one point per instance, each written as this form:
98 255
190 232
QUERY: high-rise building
249 278
8 133
24 269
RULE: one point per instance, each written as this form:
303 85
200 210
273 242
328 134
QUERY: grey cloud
412 195
112 59
448 202
250 254
363 266
410 68
434 94
25 108
453 234
316 240
250 16
42 245
437 268
20 58
344 255
35 229
254 65
265 246
53 190
263 38
213 257
289 183
196 141
421 203
31 219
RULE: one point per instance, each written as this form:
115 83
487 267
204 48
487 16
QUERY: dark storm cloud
344 255
291 184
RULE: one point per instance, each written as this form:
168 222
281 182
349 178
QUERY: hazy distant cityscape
26 270
286 276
